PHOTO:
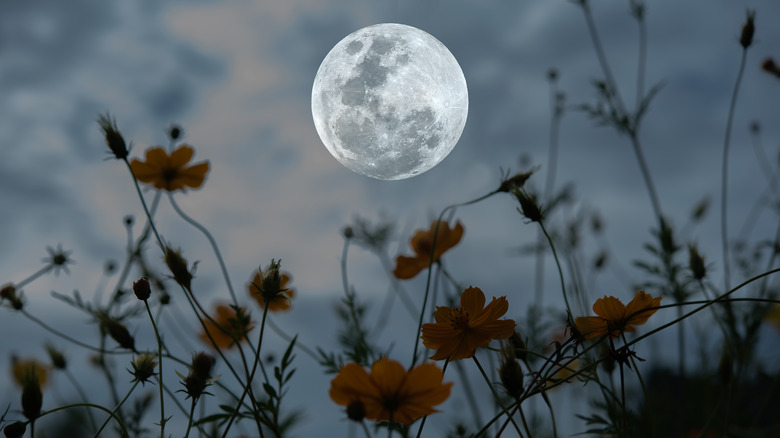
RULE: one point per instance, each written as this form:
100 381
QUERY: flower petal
609 308
181 156
591 327
641 308
193 176
388 375
409 267
472 301
352 383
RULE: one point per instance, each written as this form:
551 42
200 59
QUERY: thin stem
250 379
213 243
558 264
83 396
422 422
623 401
66 337
89 405
160 369
189 422
496 396
307 350
113 413
143 202
34 276
365 429
724 172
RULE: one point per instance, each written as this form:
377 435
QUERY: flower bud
32 397
696 263
199 376
143 367
348 232
119 333
142 289
272 280
15 429
528 206
57 358
518 346
770 67
511 377
8 292
178 266
748 29
114 140
174 132
516 181
356 411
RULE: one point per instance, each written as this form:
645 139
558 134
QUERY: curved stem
113 413
724 172
83 396
496 396
558 263
143 202
88 405
213 243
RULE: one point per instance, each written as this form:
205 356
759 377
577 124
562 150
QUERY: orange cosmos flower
422 244
170 173
614 318
389 391
459 331
233 320
281 302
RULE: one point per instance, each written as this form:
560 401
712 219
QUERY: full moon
389 101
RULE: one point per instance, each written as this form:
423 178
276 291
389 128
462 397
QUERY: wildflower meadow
422 347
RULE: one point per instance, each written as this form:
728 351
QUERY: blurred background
237 76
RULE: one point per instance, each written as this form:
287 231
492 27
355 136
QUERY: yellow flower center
459 319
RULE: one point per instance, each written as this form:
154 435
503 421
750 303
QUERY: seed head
199 376
118 332
56 356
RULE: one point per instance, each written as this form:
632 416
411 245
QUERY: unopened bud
770 67
32 397
119 333
114 140
518 346
57 358
142 289
174 132
748 29
517 181
348 232
528 205
178 266
356 411
199 376
696 263
511 377
272 280
15 429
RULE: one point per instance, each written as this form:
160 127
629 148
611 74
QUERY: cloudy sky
237 76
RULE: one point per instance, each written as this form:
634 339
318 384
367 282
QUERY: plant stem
113 413
558 264
160 369
724 172
213 243
496 396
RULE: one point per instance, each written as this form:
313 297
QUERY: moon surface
389 101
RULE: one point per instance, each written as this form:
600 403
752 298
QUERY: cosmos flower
458 331
20 366
389 391
233 320
422 244
170 172
281 301
614 318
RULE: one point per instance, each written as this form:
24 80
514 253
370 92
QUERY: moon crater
389 101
